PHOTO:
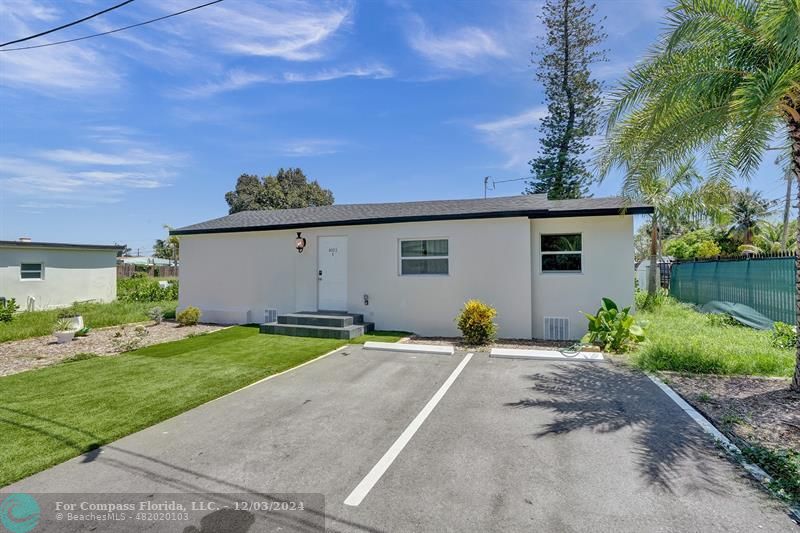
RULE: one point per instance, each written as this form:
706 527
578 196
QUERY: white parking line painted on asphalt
369 481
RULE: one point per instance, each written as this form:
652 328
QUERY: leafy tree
572 96
288 189
769 237
677 196
724 77
698 244
747 210
168 248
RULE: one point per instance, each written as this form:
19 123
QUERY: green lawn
50 415
95 315
683 340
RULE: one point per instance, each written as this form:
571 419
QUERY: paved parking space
510 446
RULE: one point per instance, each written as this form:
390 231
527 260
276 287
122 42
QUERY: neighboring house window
31 271
561 253
424 257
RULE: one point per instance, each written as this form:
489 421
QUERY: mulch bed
522 344
752 409
27 354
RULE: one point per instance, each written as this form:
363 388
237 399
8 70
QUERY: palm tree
748 209
679 197
724 77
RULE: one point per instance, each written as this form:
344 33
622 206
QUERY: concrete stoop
319 324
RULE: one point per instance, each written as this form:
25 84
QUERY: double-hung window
31 271
424 256
562 252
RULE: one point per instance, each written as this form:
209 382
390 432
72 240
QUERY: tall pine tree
573 98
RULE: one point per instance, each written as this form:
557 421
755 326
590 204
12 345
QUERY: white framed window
31 271
562 252
424 257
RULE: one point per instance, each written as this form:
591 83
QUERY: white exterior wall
233 277
69 275
607 244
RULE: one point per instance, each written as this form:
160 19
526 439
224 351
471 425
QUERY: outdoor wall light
300 243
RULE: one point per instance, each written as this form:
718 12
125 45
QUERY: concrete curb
437 349
545 355
754 470
709 428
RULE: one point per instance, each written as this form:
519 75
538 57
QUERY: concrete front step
338 320
321 332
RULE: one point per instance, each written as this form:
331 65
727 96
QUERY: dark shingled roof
32 244
530 205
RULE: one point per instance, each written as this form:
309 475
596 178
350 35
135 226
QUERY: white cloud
375 72
85 176
466 48
63 68
515 135
240 79
293 30
525 119
309 147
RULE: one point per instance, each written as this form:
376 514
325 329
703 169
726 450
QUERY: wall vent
270 316
556 328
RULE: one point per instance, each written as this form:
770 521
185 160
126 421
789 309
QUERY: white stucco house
411 266
43 275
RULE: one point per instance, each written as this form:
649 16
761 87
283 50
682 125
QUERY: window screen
429 256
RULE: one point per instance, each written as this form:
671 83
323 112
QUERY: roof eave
543 213
64 245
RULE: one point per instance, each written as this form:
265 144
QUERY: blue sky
106 140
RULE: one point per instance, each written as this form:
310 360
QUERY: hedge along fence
145 289
765 282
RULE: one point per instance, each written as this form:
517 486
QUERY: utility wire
115 30
112 8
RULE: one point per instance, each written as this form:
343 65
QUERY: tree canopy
573 98
289 188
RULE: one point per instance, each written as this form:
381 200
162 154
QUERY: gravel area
18 356
757 410
523 344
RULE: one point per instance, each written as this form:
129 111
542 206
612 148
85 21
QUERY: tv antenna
490 183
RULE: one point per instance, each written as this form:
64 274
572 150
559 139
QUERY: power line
115 30
112 8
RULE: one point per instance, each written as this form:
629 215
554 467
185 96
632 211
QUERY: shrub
125 342
614 329
476 322
7 311
783 335
156 314
145 289
189 316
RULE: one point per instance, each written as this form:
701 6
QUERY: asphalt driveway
509 445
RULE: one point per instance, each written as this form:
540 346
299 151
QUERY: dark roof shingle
533 206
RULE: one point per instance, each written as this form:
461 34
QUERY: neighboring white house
143 260
411 266
42 275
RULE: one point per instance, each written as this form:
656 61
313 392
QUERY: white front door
332 273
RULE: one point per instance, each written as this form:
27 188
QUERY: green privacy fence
765 283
